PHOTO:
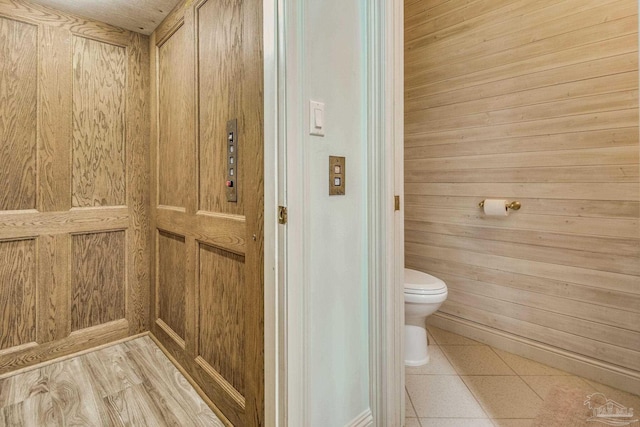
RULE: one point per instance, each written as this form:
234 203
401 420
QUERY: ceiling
141 16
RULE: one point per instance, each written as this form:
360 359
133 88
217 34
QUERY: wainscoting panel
18 293
18 103
175 90
221 283
74 205
99 72
171 272
220 72
98 284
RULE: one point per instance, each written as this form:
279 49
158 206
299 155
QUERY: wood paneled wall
207 298
74 144
535 101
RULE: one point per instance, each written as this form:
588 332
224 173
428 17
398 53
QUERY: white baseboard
365 419
596 370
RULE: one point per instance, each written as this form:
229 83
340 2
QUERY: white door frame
285 362
386 225
285 304
273 398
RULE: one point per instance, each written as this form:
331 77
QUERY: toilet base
416 350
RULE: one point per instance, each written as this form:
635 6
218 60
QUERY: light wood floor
129 384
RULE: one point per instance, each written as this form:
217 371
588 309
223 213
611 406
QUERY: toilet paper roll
495 207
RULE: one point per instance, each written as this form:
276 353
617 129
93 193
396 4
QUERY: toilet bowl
423 295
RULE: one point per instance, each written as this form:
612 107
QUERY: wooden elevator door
208 275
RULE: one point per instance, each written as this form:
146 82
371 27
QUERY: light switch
316 118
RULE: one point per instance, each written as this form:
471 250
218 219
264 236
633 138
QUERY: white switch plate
316 118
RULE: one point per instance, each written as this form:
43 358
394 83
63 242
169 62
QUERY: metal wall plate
337 176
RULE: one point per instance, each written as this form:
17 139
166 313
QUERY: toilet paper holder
514 206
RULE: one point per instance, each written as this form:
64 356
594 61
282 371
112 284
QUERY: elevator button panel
336 176
232 161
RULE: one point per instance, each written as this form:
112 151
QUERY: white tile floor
469 384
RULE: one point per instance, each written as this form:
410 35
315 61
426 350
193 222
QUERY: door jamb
386 225
273 396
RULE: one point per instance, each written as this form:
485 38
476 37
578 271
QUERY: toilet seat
419 283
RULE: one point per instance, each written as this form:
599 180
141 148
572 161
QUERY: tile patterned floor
469 384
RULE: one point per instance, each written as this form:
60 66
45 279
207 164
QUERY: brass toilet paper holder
514 206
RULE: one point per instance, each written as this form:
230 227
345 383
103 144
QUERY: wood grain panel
542 310
98 279
617 301
612 227
561 207
18 101
446 93
574 56
20 225
221 320
579 275
54 290
17 293
55 115
536 102
612 101
625 246
609 173
220 70
224 231
534 53
566 30
175 132
576 257
598 191
99 71
531 97
538 20
551 158
171 272
137 127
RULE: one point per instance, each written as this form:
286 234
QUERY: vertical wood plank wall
74 173
207 297
535 101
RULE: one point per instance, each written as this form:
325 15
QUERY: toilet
423 295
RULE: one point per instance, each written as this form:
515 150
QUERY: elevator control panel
231 144
337 176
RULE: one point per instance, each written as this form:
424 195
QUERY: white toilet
423 295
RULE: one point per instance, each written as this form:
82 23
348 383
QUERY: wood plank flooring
129 384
